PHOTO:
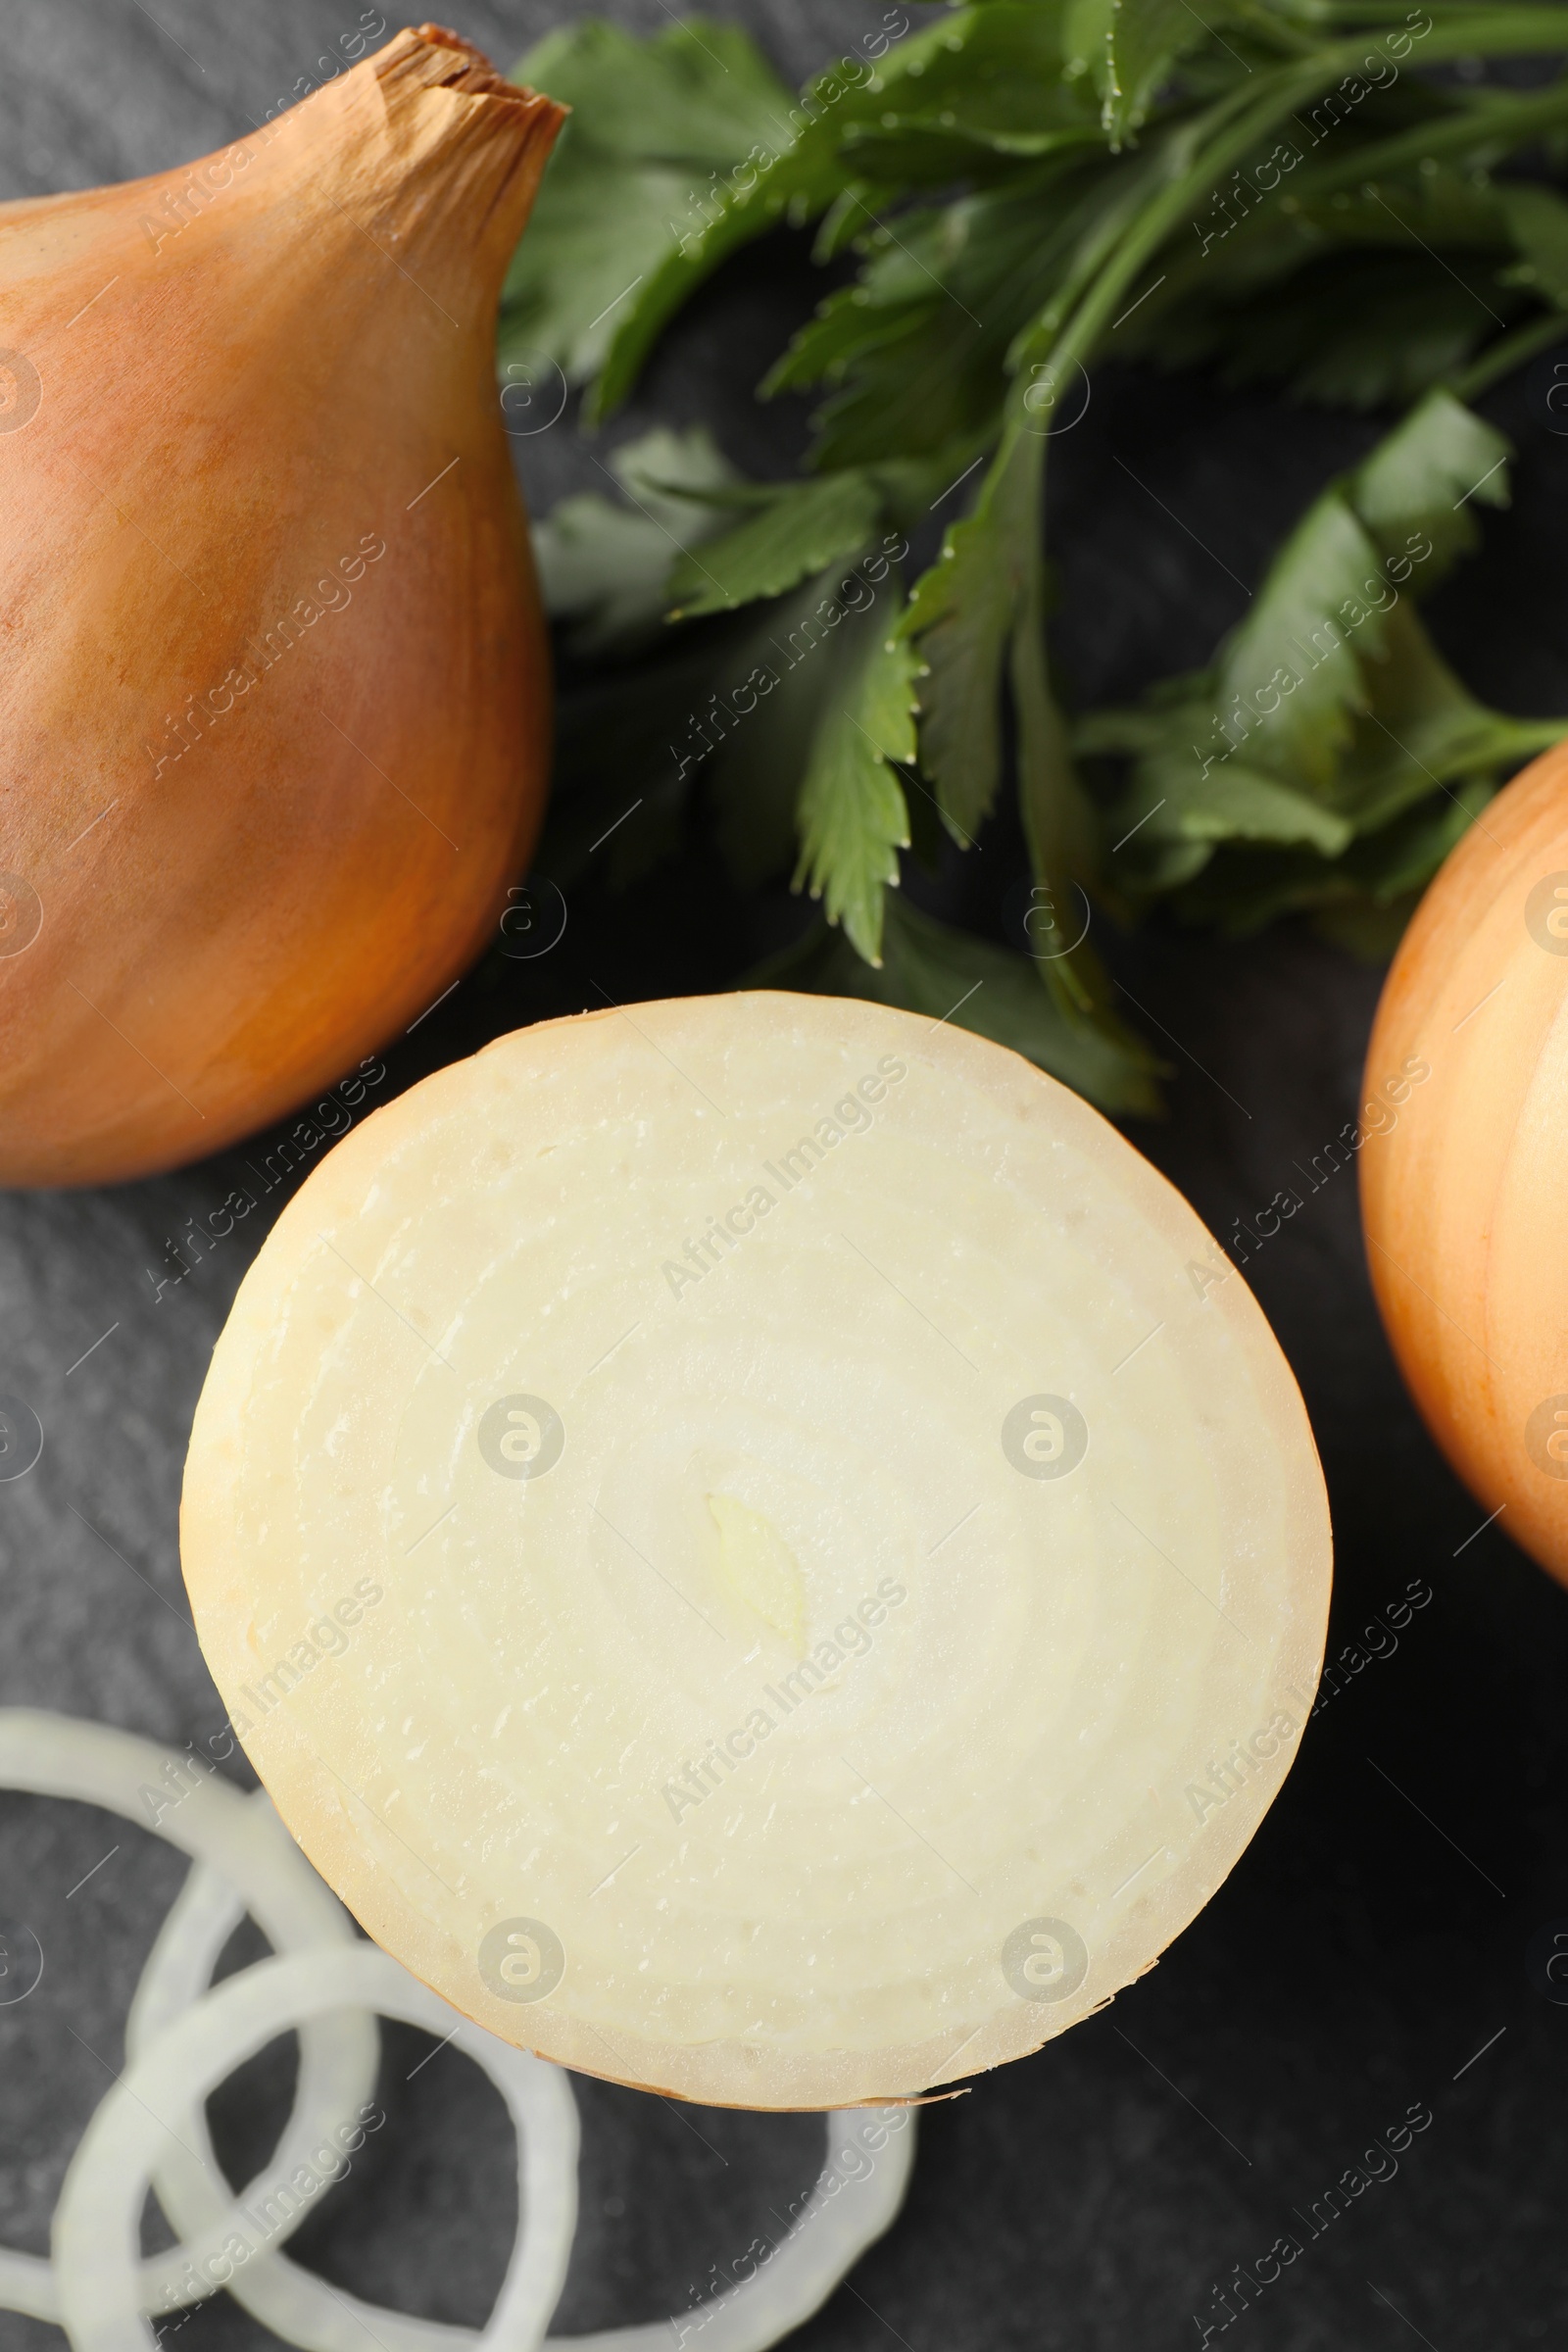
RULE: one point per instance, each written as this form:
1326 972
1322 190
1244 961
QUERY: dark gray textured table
1373 1938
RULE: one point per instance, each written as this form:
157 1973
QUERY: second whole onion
1464 1199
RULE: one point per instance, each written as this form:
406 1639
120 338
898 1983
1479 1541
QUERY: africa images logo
521 1437
521 1960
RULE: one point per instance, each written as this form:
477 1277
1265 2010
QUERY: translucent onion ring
238 1846
97 2220
186 2179
834 2230
295 2304
241 1839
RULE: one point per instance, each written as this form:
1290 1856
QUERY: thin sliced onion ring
838 2223
52 1755
242 1840
338 2061
294 2303
98 2216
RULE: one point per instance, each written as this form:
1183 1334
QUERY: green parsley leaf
1330 710
796 666
1128 47
1423 480
1419 736
1243 889
1423 730
1291 673
804 166
961 615
913 355
658 127
1358 329
1405 854
806 526
697 92
853 817
603 564
992 78
1176 800
797 185
1538 222
1444 209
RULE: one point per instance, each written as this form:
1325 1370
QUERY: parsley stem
1509 353
1526 735
1502 32
1481 126
1510 120
1338 15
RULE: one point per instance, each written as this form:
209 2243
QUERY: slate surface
1374 1936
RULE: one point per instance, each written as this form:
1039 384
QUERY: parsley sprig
1295 193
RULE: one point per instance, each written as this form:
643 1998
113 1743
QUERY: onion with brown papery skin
1464 1199
275 711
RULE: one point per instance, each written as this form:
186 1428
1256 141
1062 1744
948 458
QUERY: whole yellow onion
275 708
1464 1194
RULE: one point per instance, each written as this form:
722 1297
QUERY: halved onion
760 1546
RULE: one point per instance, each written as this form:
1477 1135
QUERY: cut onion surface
758 1545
